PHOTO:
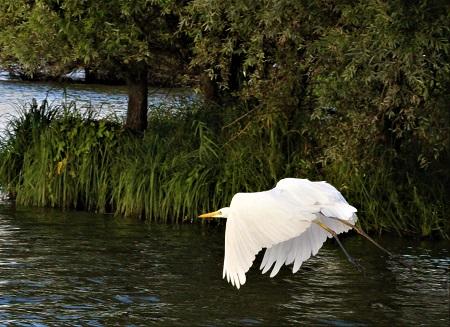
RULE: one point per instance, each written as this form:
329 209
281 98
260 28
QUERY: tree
384 62
258 49
385 65
128 37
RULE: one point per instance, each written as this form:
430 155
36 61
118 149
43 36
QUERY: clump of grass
22 131
57 156
386 204
195 157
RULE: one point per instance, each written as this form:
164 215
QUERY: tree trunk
89 75
209 88
137 83
235 80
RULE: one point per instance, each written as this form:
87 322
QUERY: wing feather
258 220
280 220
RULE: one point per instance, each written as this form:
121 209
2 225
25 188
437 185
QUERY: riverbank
195 157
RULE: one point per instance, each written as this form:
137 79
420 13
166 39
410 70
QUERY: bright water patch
76 268
106 99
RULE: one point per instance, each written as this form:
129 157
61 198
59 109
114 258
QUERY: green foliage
258 50
75 161
389 70
119 38
182 167
41 149
27 125
386 62
53 36
356 92
353 92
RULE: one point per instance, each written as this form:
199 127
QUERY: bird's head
221 213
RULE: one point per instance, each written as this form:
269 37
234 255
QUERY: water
76 268
107 99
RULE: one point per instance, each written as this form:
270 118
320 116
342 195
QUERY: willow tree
355 90
127 37
385 67
262 53
386 62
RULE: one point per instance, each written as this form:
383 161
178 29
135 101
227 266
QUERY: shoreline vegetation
354 93
194 157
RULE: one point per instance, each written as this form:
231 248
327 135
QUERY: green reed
194 158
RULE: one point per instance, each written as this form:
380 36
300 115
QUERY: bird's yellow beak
211 214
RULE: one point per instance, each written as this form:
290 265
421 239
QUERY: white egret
292 221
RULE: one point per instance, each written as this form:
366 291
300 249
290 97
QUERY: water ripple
82 269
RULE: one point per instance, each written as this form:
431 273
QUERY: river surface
106 99
75 268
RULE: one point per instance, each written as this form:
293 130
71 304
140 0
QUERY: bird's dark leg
349 257
362 233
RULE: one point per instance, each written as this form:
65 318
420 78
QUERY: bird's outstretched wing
281 221
257 220
299 249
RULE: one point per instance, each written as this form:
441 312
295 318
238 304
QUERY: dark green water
62 269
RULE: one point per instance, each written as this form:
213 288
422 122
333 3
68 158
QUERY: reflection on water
78 268
106 98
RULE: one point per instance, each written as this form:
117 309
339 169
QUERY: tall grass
193 158
386 204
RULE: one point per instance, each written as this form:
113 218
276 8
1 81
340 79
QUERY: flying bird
292 221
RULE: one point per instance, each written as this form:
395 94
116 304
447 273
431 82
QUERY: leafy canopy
56 35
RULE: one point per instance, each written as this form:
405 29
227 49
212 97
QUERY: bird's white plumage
281 220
